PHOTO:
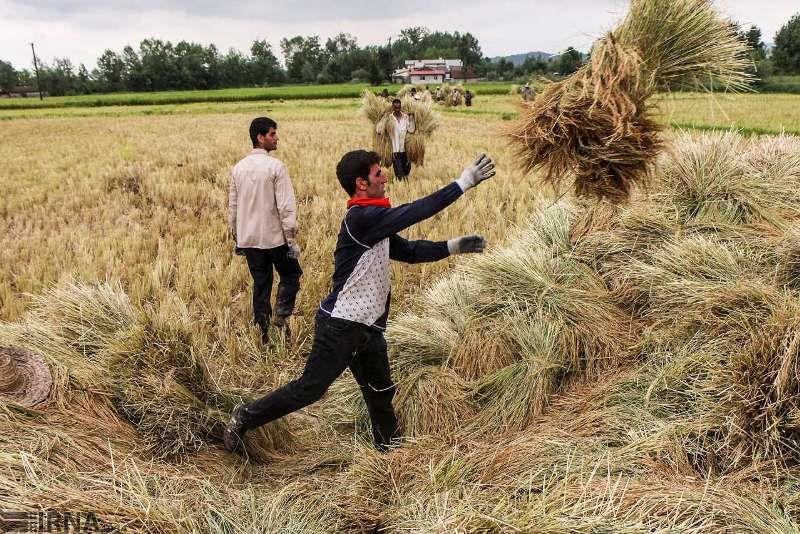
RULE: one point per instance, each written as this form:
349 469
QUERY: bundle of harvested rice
146 361
597 125
544 318
374 109
378 112
433 400
721 179
450 95
405 90
426 121
25 378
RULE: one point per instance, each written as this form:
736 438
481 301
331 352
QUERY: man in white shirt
263 221
402 124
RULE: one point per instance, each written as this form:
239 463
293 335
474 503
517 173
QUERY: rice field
598 370
281 92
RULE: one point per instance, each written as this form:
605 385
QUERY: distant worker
385 93
527 92
403 124
352 318
468 98
263 221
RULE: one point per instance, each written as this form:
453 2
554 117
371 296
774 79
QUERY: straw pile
703 293
597 126
378 112
450 94
145 361
611 370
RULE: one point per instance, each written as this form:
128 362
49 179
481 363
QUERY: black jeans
401 165
261 262
338 344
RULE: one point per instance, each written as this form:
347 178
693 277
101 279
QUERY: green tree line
157 65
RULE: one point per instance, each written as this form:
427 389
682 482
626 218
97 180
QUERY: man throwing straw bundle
352 318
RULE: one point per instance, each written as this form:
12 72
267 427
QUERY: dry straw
597 125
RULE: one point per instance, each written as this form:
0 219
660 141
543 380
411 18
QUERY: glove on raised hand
294 250
481 169
466 244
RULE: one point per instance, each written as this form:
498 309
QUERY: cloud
81 30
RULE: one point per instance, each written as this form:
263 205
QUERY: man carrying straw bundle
403 124
351 319
263 222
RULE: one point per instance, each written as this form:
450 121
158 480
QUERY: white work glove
481 169
466 244
294 250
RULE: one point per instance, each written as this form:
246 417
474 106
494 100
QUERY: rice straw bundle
375 108
451 95
405 90
597 125
378 112
433 400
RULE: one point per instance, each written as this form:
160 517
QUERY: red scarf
380 202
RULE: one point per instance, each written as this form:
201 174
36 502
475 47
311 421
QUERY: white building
424 71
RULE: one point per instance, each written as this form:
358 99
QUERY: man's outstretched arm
422 251
380 223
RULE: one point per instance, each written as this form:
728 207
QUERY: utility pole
36 67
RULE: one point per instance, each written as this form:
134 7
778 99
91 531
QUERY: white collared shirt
261 210
402 126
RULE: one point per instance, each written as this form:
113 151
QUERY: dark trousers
338 344
261 262
401 165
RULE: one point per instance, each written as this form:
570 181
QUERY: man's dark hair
355 164
413 89
395 100
260 126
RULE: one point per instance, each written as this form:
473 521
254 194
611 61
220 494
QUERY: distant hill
519 59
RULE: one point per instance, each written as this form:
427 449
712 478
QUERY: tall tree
569 61
263 66
8 77
158 64
233 69
110 72
136 78
469 50
304 57
787 47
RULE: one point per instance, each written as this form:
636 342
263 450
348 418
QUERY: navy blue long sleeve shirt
367 241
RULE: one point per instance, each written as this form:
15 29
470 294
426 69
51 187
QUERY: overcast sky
82 29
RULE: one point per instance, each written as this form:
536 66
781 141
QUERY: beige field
138 196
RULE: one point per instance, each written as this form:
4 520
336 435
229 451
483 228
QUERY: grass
114 253
780 84
283 92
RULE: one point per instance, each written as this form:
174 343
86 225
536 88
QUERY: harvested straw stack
451 95
374 109
146 362
378 112
597 125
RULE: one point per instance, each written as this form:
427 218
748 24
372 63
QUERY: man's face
375 185
268 142
396 107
